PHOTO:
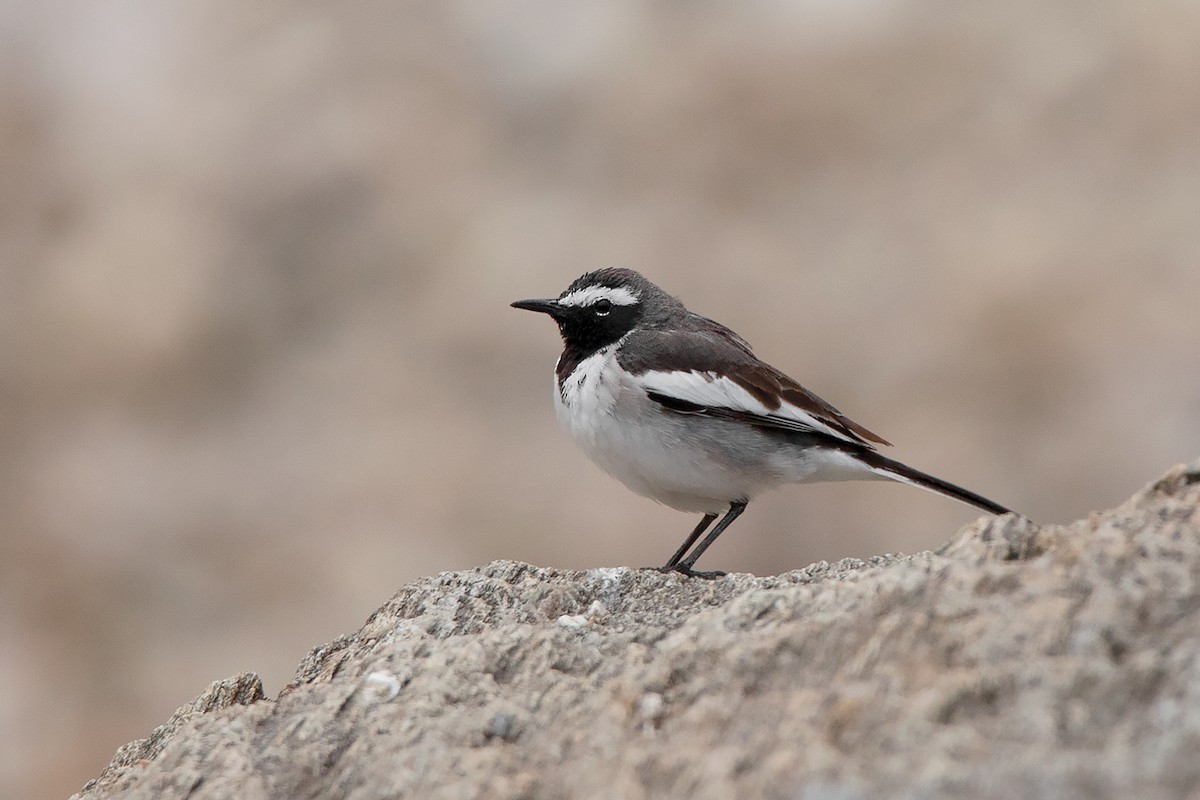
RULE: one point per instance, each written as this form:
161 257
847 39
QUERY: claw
707 575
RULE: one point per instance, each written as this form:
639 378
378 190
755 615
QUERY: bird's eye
602 307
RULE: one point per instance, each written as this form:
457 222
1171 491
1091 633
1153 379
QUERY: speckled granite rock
1019 660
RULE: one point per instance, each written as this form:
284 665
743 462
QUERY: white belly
688 462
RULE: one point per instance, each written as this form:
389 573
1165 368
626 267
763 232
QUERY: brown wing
711 347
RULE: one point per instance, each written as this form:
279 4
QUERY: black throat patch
585 333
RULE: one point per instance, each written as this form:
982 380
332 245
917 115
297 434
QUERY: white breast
689 462
586 401
628 436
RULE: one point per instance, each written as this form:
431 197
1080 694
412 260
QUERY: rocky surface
1019 660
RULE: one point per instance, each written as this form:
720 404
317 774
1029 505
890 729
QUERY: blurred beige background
258 368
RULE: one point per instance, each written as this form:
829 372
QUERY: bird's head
600 307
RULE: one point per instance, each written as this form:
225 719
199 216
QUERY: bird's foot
707 575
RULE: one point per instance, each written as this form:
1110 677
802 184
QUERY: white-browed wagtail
679 409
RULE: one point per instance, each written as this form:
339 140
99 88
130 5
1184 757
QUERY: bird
678 408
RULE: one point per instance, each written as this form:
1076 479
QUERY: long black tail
914 477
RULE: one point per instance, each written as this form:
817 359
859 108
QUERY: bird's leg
685 566
691 539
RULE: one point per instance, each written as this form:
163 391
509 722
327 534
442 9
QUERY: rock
242 690
1019 660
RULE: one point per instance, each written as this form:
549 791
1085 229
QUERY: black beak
550 307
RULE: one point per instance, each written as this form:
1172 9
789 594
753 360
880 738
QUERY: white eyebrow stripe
617 295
